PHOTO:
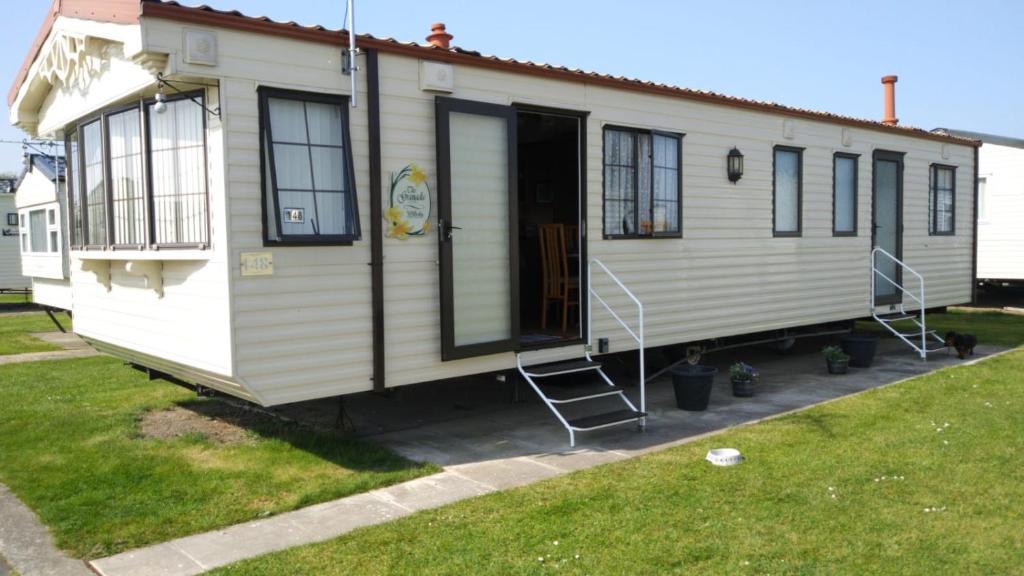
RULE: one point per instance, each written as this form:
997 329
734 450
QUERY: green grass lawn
996 328
15 329
71 450
924 477
15 298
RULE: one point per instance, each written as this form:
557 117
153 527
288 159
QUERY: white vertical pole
352 51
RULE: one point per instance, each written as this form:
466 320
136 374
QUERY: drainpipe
376 219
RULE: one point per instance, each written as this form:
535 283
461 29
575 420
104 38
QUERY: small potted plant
837 360
743 377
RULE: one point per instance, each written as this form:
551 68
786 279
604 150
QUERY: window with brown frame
844 194
942 201
308 178
137 177
787 191
642 183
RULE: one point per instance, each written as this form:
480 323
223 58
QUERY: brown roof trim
117 11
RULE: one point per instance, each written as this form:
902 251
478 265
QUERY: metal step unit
555 393
921 339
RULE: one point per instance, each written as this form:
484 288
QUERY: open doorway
550 241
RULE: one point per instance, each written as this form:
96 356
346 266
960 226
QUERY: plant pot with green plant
743 377
838 361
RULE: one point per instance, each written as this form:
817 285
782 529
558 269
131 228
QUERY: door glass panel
886 225
481 267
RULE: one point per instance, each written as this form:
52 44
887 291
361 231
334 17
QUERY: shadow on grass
224 422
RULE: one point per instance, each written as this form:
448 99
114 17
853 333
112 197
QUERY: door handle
446 230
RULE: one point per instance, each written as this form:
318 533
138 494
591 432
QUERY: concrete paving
73 347
27 546
495 450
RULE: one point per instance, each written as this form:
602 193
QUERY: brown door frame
897 158
444 106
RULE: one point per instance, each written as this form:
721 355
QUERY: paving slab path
489 452
27 546
73 347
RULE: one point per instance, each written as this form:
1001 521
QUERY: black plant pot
838 366
742 388
692 385
860 348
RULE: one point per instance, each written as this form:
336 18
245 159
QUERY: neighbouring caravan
11 278
40 201
240 218
1000 207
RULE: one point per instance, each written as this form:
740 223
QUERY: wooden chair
557 285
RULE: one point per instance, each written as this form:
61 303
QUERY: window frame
678 136
266 134
856 196
9 218
798 233
77 197
933 200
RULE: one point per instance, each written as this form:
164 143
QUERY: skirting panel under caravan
185 373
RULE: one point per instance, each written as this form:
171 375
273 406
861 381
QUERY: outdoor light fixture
161 101
734 165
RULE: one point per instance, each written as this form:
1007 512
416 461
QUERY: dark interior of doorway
549 193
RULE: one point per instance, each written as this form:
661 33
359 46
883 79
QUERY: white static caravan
11 277
1000 207
269 239
40 201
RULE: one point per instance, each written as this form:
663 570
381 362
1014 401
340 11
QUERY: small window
37 231
942 201
642 183
54 246
308 180
844 194
12 218
787 187
51 217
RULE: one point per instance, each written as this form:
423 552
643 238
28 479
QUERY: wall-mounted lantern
734 165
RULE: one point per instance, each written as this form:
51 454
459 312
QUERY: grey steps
560 368
607 419
577 393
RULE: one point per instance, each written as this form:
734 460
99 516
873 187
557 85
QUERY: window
54 229
124 130
844 194
93 183
941 201
37 231
74 186
642 183
787 189
177 156
138 177
12 218
308 179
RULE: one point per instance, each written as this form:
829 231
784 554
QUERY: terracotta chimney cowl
439 36
890 100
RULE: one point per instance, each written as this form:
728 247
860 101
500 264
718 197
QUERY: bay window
137 177
308 179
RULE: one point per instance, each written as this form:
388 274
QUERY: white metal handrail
875 272
637 335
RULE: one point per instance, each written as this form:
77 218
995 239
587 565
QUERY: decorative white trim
151 270
73 60
153 62
98 268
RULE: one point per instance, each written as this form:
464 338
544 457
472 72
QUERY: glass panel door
888 189
477 228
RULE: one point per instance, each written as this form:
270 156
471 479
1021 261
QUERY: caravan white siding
11 276
1001 213
303 332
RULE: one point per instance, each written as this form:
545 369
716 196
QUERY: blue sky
960 63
